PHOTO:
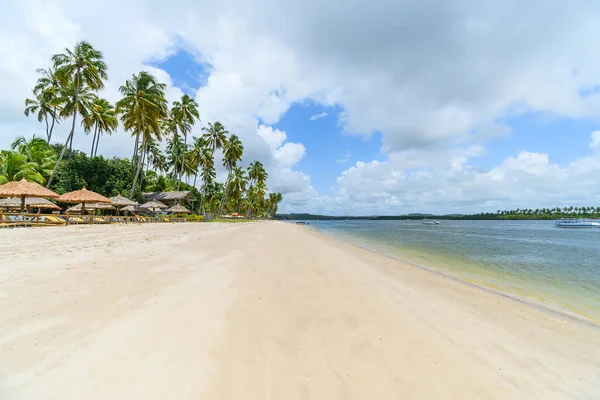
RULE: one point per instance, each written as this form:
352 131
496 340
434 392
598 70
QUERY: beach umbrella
25 189
136 208
36 202
154 205
178 209
120 201
84 197
91 206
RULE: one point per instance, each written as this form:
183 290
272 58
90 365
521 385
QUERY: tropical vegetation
165 156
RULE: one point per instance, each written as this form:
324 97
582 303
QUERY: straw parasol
36 202
24 189
91 206
154 205
120 201
135 208
84 197
178 209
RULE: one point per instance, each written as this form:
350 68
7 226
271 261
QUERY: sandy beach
264 310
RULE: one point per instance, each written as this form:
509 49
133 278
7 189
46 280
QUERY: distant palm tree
232 154
175 150
237 184
79 69
155 156
208 174
142 109
215 136
256 174
46 101
102 118
184 114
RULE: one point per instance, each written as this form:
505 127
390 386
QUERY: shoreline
265 310
554 309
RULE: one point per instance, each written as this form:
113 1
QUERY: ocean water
555 267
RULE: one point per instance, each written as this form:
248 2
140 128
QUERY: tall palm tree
47 100
199 148
215 136
232 154
82 67
208 175
102 118
257 174
184 114
237 184
155 156
175 149
273 203
142 109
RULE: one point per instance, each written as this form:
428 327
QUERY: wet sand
264 311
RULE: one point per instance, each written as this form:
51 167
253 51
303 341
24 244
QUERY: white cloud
318 116
436 79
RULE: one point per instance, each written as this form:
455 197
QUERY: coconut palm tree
142 109
102 118
38 153
184 114
46 101
155 156
199 147
175 149
273 203
80 68
215 136
208 175
232 154
256 174
14 166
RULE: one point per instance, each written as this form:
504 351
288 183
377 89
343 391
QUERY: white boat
577 223
430 222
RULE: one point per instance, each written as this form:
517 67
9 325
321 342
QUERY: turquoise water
556 267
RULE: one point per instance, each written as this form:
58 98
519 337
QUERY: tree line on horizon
68 92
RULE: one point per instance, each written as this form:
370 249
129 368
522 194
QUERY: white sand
264 311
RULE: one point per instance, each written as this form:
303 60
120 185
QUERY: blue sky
435 81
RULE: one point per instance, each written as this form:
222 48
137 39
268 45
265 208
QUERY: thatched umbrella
84 197
91 206
36 202
154 205
24 189
178 209
136 209
120 201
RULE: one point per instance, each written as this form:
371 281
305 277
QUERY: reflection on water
555 266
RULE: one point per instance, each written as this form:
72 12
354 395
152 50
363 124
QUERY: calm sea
559 268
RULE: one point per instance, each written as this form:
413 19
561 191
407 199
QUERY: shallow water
557 267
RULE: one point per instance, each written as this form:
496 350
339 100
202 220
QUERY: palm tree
142 109
38 153
155 156
47 99
237 184
208 175
257 174
14 166
159 183
175 149
199 147
215 136
273 203
257 192
184 114
232 153
81 68
102 118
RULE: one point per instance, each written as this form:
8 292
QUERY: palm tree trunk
52 125
138 169
224 196
71 145
47 132
69 138
250 207
94 140
97 141
182 159
195 177
135 147
146 173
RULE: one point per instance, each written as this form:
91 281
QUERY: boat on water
577 223
430 222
